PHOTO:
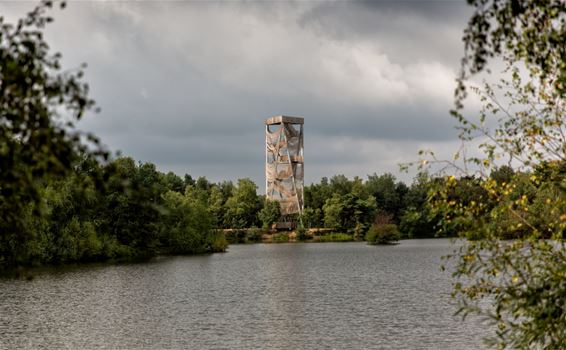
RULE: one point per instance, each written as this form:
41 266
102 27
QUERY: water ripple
279 296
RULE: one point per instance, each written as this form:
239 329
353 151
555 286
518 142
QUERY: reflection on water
278 296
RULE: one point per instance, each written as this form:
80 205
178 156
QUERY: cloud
187 85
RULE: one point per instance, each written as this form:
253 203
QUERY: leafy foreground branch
512 268
515 223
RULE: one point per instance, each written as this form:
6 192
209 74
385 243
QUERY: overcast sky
188 85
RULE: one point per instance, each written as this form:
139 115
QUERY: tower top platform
284 119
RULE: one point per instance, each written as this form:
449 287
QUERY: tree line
120 211
353 206
124 210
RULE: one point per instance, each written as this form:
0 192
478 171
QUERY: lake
262 296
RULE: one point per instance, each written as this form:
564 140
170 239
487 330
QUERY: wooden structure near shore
284 166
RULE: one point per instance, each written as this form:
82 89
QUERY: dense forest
124 210
121 210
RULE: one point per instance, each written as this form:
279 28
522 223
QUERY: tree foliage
513 267
349 213
132 215
383 234
39 104
532 32
243 205
269 214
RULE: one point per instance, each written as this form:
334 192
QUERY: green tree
333 209
388 194
417 221
38 107
203 184
523 279
131 214
316 196
383 234
216 205
188 180
198 193
313 217
340 184
242 207
172 182
349 213
269 214
226 188
188 224
66 231
532 32
502 174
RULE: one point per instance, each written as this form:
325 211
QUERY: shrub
301 233
217 241
254 235
269 214
235 236
383 234
280 238
336 237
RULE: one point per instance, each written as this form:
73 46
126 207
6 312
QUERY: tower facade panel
284 163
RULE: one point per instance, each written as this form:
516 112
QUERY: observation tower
284 165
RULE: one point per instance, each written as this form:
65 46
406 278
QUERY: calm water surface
264 296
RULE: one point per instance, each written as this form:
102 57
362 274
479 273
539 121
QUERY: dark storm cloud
187 85
407 30
447 11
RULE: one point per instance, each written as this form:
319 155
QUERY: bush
336 237
280 238
217 241
383 234
254 235
269 214
301 233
